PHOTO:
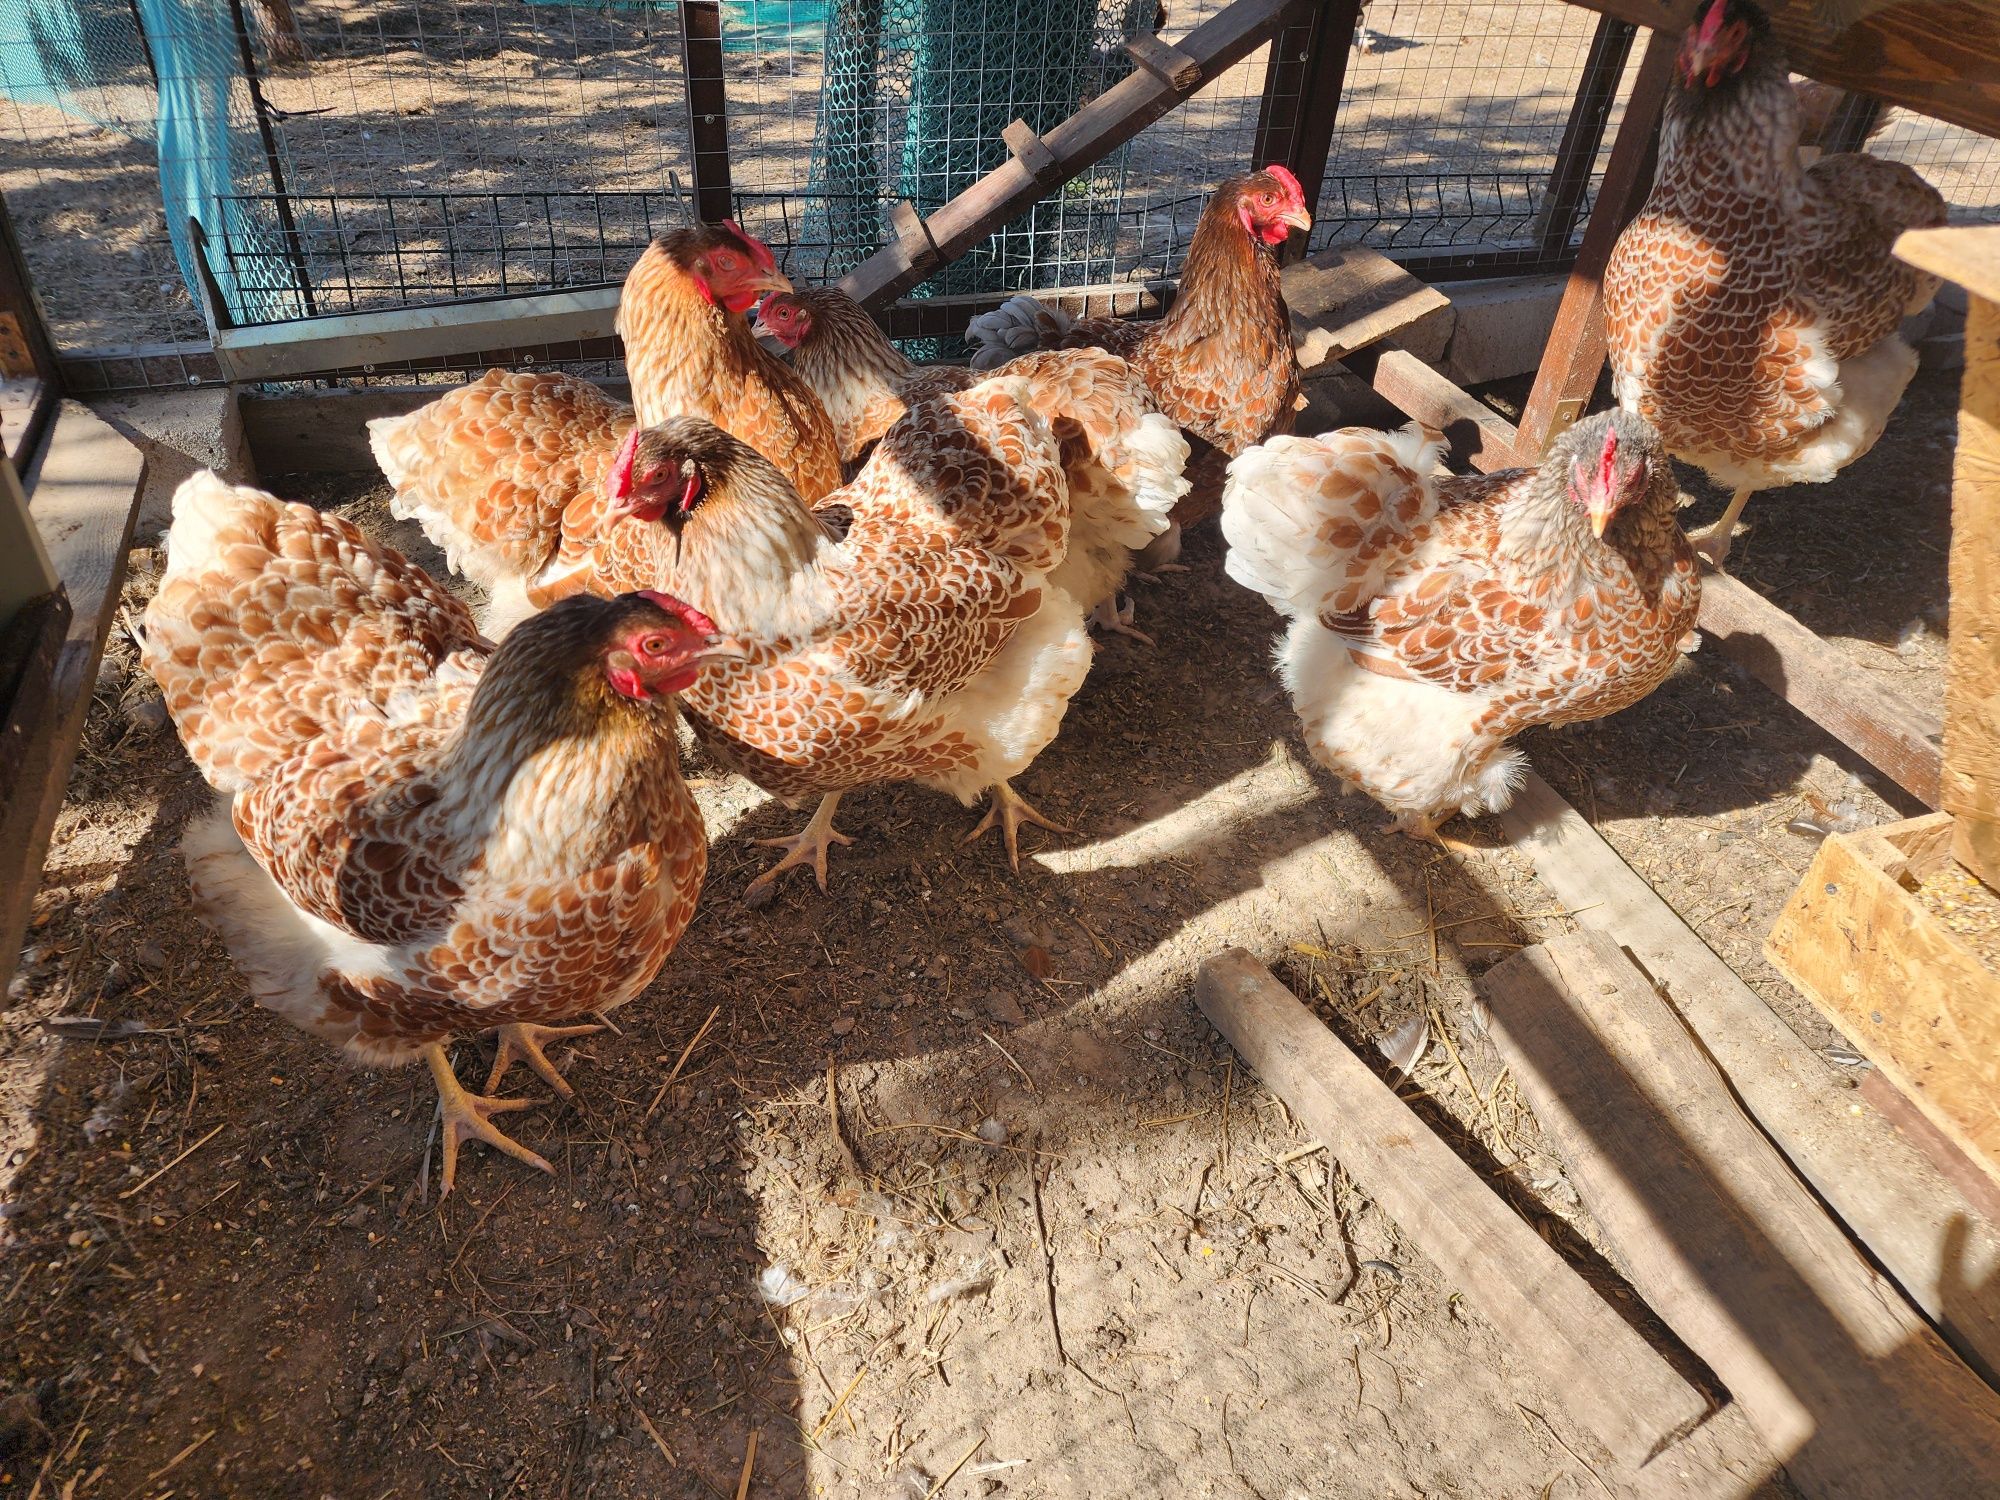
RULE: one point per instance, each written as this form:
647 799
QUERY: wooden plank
1909 992
1477 435
25 346
1579 1350
912 237
1846 1383
1086 137
1347 298
1970 789
1583 132
1823 683
1938 57
26 571
707 109
1166 62
1576 348
1967 254
85 498
30 643
311 346
1966 1175
26 403
1918 1226
1031 151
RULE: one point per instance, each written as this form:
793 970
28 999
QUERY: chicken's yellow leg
1009 810
806 847
1713 543
466 1115
522 1042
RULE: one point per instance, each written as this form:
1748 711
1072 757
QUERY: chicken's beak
1296 218
772 280
722 648
1600 515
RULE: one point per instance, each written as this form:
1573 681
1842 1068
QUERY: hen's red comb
1607 466
1291 183
1711 23
759 251
618 483
693 618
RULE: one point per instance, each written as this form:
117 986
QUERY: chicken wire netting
413 151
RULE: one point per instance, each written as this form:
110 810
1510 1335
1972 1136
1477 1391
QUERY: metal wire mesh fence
423 150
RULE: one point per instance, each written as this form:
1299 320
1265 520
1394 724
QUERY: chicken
690 352
941 639
490 467
491 470
1433 618
866 385
1220 363
420 837
1752 307
862 379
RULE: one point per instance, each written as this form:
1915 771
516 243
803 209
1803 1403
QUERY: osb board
1910 995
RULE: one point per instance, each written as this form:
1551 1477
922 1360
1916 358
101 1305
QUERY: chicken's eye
654 645
725 262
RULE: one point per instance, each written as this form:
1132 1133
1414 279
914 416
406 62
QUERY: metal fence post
708 109
1303 80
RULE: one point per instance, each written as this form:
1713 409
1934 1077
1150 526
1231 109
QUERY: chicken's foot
466 1115
1424 829
1115 615
1713 544
522 1042
1009 810
808 846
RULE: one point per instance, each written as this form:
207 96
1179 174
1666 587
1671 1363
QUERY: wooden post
1971 783
1576 157
30 378
708 109
1851 1390
1849 127
1575 351
1303 80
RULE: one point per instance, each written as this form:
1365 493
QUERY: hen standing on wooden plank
1433 618
866 385
1220 363
421 837
1752 306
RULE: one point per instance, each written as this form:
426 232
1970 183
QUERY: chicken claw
1009 810
522 1041
1424 829
1115 615
808 846
465 1116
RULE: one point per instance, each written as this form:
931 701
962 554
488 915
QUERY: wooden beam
1166 62
707 109
312 346
1575 351
1552 1323
1937 57
85 497
1847 1385
1970 787
1917 1224
26 349
1348 298
1583 132
1882 726
1910 993
1086 137
1031 151
912 237
1476 434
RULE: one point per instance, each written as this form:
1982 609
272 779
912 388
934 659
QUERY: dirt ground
937 1185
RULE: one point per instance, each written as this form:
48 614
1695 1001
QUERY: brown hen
1434 618
1752 306
420 837
1221 362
